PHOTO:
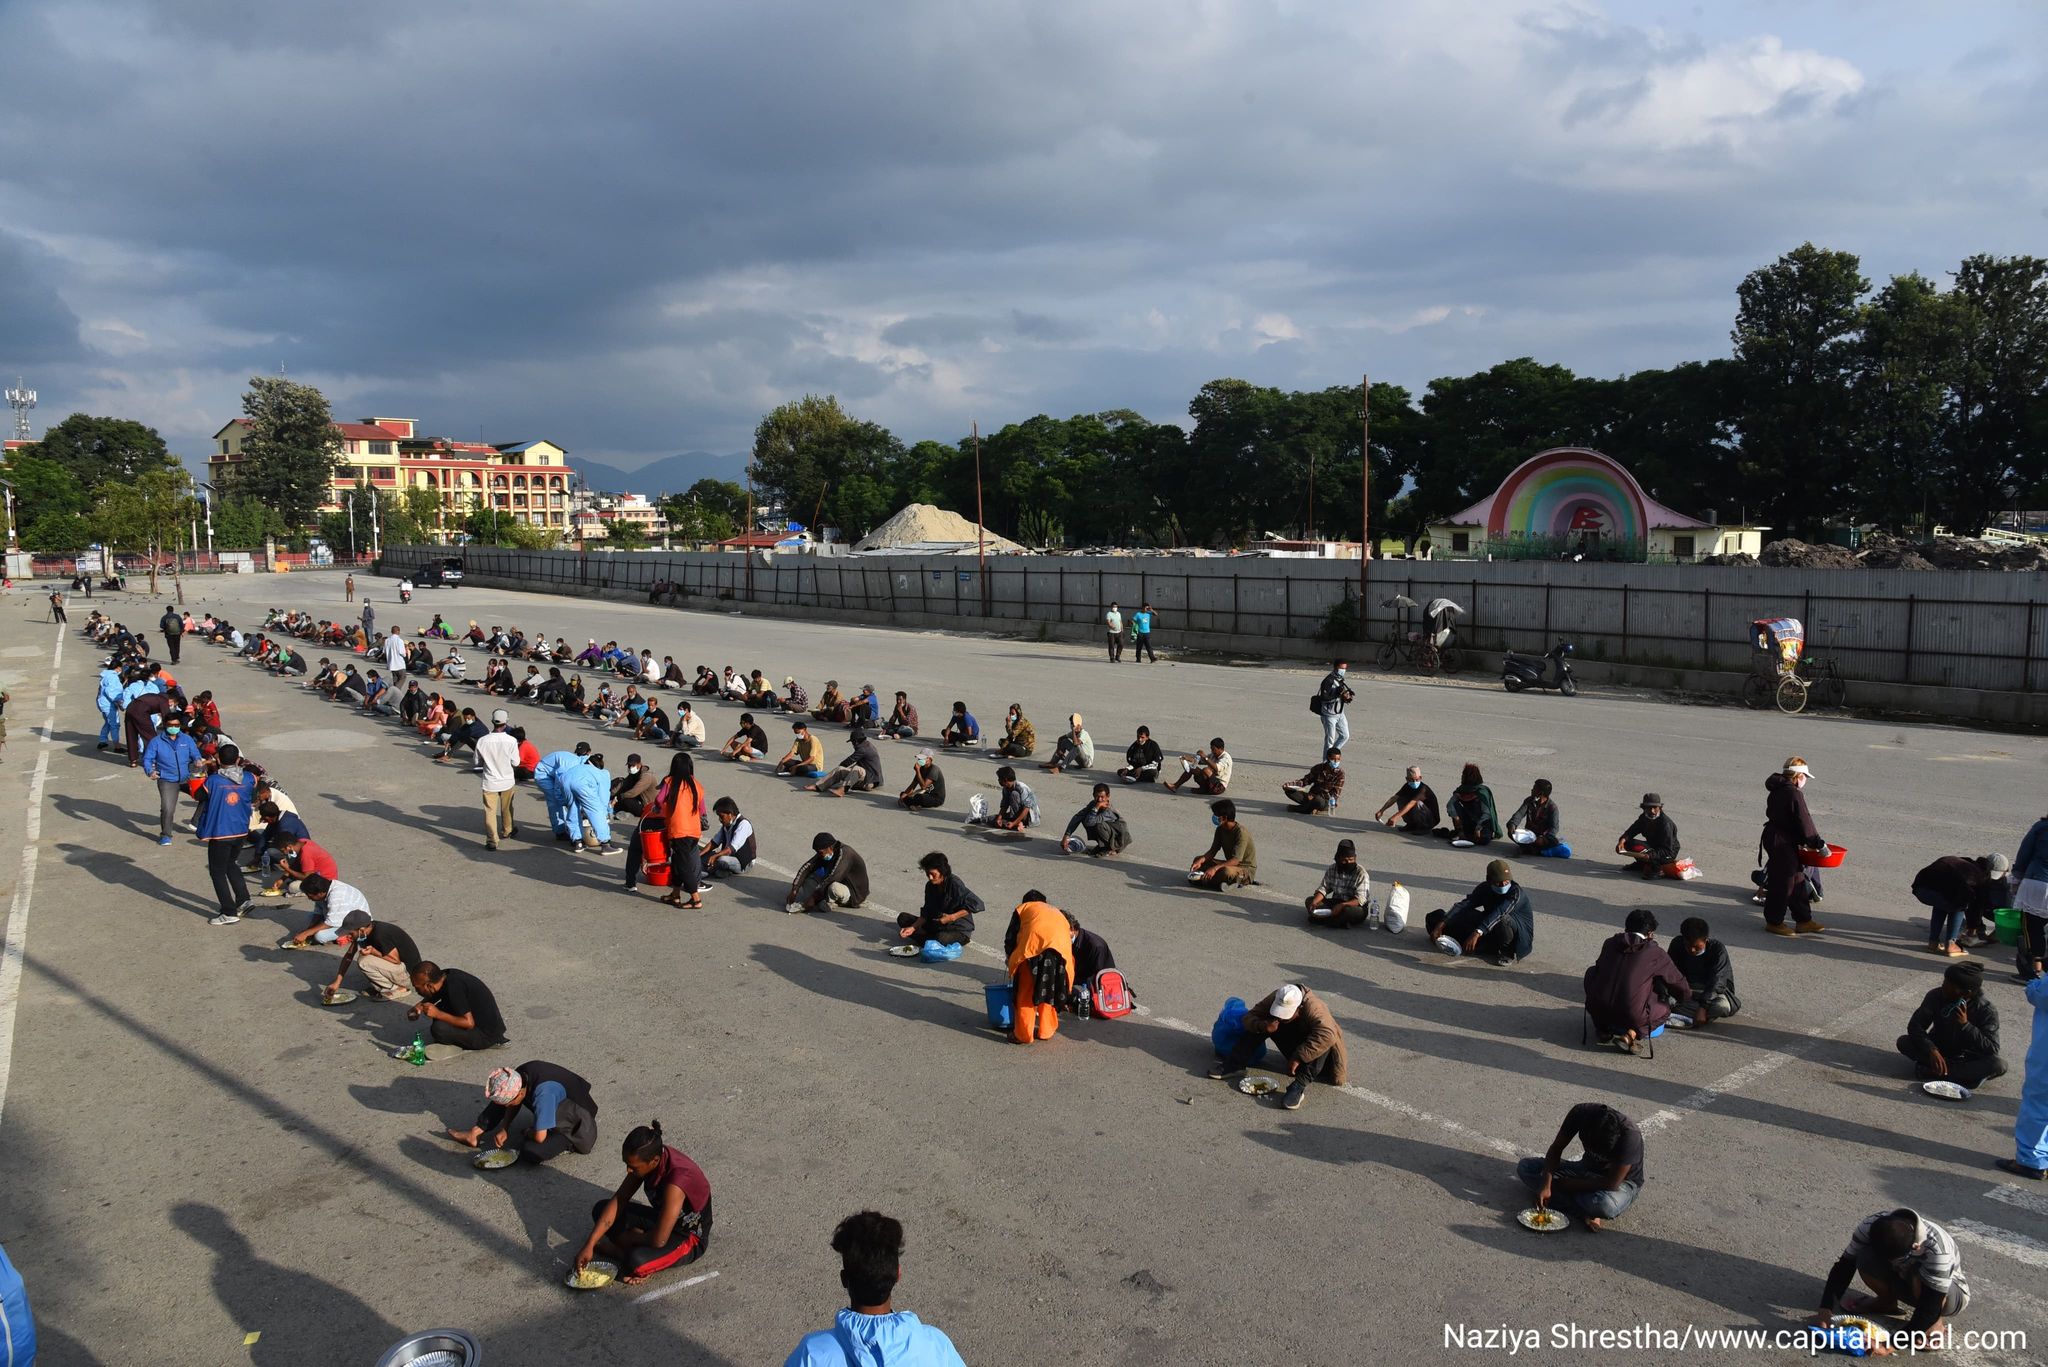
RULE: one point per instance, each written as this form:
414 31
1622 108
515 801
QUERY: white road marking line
2018 1247
2024 1200
1756 1069
658 1293
15 947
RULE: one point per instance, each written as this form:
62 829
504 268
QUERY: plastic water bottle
417 1055
1084 1003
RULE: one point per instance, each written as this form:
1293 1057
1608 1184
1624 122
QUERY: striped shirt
1932 1258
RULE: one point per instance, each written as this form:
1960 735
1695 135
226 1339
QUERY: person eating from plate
563 1110
673 1226
1604 1180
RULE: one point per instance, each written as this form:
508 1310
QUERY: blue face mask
1414 783
1215 820
1503 887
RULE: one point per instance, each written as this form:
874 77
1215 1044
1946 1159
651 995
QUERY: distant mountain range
665 475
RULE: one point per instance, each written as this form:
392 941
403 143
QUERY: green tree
291 452
149 515
57 534
1905 368
1998 410
1675 431
1795 338
623 534
43 487
709 510
1474 429
98 451
824 466
242 524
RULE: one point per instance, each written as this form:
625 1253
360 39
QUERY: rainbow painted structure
1573 496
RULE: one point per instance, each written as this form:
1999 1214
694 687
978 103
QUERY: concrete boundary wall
1972 645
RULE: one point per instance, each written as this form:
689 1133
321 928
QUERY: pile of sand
920 525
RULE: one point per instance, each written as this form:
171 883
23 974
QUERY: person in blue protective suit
2030 1130
109 703
590 793
17 1324
551 777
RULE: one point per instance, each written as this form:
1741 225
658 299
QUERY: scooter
1554 670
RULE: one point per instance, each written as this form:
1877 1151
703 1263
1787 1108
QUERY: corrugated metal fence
1962 629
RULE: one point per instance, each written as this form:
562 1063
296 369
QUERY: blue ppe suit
109 701
550 777
590 792
2030 1130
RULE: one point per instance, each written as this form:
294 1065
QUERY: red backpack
1112 996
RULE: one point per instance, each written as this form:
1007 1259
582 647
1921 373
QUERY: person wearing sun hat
1788 829
1651 841
1308 1037
564 1112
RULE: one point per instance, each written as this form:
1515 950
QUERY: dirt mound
922 525
1882 551
1792 553
1734 558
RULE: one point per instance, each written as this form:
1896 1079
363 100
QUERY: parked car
440 572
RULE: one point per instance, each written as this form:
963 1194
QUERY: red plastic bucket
1830 859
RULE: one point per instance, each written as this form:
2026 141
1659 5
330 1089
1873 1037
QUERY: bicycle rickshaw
1777 651
1431 647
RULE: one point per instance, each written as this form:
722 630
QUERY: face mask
1340 671
1503 887
1215 820
171 730
632 768
1336 764
1414 783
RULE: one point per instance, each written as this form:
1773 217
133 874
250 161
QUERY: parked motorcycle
1554 670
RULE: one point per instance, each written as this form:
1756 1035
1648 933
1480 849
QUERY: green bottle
417 1055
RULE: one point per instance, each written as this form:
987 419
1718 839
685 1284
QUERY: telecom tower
21 400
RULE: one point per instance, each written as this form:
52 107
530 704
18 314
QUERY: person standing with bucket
1788 829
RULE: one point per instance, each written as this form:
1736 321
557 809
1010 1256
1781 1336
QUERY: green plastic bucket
2008 922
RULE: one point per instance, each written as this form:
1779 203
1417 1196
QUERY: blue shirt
554 767
1141 622
110 688
545 1098
856 1340
967 720
170 757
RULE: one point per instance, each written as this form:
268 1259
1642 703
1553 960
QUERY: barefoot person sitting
1600 1184
1232 858
1905 1260
670 1229
563 1110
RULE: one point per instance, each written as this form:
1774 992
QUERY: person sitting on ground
902 720
859 772
806 757
606 710
1209 770
272 827
1319 789
632 790
761 693
654 727
1039 952
1103 829
1016 805
1495 921
1708 970
1142 759
1627 986
831 704
947 916
1342 897
705 685
1295 1021
461 1011
927 788
672 675
1651 841
864 709
834 876
794 697
749 743
1020 738
298 858
383 952
1604 1180
333 900
870 1248
1232 858
461 735
689 728
674 1226
961 729
1538 824
564 1112
1954 1034
326 678
732 686
1075 748
1905 1259
1962 892
350 689
731 849
1470 817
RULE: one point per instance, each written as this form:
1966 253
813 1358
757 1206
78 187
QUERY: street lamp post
207 501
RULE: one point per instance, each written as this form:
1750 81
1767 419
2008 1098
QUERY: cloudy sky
633 225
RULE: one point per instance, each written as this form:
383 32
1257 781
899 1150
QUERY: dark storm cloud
634 226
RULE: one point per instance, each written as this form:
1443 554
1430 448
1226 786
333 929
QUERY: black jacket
1935 1020
943 899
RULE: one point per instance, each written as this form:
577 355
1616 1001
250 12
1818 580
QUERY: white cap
500 717
1286 1002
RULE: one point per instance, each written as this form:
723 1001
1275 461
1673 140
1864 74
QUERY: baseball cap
1286 1002
1498 869
500 716
355 921
2000 866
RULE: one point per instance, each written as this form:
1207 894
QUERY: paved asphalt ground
195 1151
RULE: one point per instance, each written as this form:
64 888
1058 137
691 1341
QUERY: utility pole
980 532
206 501
1364 493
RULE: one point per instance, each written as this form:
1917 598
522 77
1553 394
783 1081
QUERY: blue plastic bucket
1002 1004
